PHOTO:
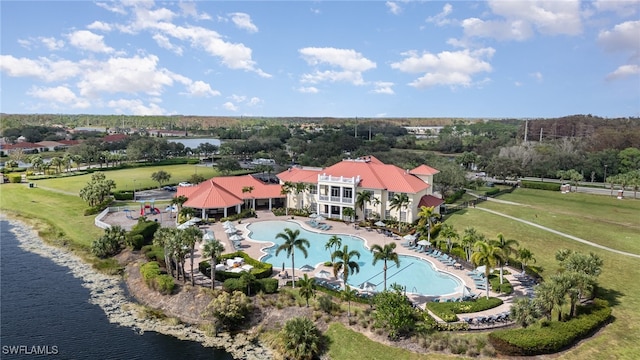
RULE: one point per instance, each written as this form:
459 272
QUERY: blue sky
322 58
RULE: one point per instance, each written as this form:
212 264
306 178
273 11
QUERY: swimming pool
417 275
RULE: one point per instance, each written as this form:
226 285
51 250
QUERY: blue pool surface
417 275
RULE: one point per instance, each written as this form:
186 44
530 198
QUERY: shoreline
107 292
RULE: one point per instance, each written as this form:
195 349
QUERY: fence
98 221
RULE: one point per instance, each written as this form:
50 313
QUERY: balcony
338 179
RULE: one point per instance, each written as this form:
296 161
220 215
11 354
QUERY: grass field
124 178
620 273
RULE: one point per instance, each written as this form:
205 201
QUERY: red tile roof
429 201
424 170
226 191
374 174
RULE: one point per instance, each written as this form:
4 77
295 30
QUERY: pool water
417 275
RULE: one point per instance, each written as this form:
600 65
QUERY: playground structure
148 208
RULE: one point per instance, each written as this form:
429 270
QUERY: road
600 189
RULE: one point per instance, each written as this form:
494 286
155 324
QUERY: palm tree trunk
193 283
293 271
213 271
385 275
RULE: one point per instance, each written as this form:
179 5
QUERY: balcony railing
339 179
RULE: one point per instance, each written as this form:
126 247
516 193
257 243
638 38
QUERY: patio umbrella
380 224
208 236
464 290
231 230
235 237
307 268
424 243
195 219
409 237
323 274
320 218
481 269
229 225
314 215
368 286
183 226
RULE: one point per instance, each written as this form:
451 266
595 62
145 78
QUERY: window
390 195
335 191
367 213
387 214
403 216
347 193
313 189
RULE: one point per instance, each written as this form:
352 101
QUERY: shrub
232 285
540 185
135 241
123 195
15 179
154 253
326 304
554 336
492 192
146 229
447 310
164 284
149 272
268 285
454 197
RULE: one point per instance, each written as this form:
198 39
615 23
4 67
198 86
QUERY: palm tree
57 162
248 189
525 255
348 295
213 249
524 312
291 242
333 242
469 238
449 233
162 237
508 247
299 188
349 213
487 255
299 339
400 201
307 288
66 161
363 198
287 188
425 215
345 263
179 201
386 253
192 236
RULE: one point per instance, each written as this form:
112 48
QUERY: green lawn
64 211
124 178
620 273
599 219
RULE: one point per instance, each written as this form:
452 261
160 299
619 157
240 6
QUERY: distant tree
525 255
300 339
213 249
393 313
508 247
349 213
307 288
110 243
226 165
97 190
487 255
524 312
161 177
345 263
385 253
231 310
362 199
333 244
348 295
291 242
196 178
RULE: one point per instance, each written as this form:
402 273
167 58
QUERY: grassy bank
620 273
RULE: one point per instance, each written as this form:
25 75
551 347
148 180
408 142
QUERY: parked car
170 188
184 183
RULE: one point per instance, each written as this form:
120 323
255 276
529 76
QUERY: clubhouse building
324 191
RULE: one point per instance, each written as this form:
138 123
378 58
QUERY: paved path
561 233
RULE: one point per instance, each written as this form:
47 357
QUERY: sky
470 59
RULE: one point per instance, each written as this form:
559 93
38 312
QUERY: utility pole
526 128
356 129
540 134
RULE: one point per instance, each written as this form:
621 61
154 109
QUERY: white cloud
51 43
128 75
243 21
238 98
622 8
455 68
394 8
86 40
99 25
383 87
624 38
518 19
113 7
42 68
537 75
230 106
308 90
624 71
350 65
165 43
135 107
254 101
59 95
189 9
201 89
441 18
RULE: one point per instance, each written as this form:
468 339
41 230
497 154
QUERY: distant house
89 129
167 133
51 146
332 189
26 147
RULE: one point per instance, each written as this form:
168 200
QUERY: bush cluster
454 197
123 195
267 285
246 213
491 192
554 336
154 253
15 179
447 310
162 283
144 228
541 185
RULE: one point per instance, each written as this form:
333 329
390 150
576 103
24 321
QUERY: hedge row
162 283
145 228
455 196
540 185
551 336
447 310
